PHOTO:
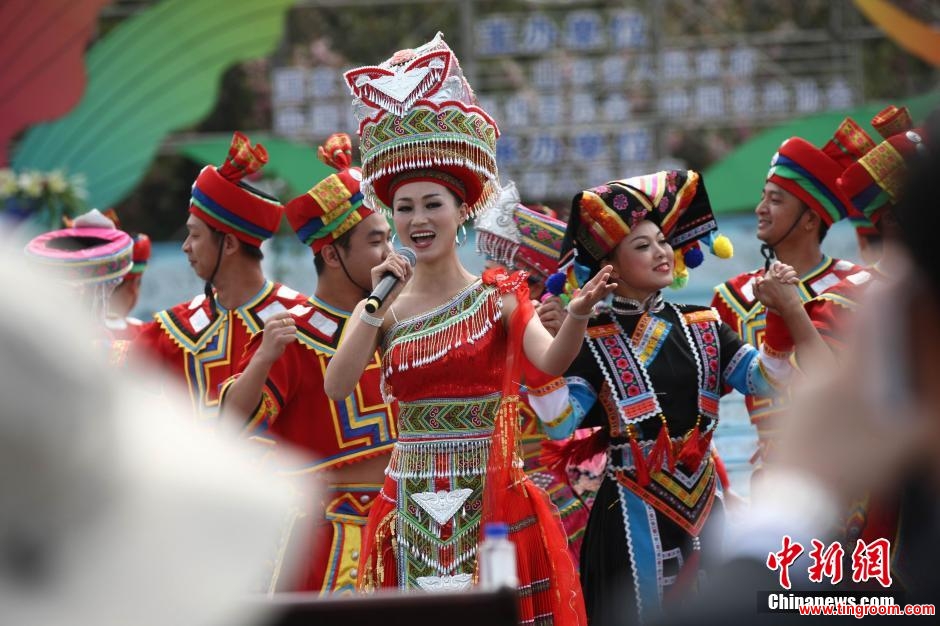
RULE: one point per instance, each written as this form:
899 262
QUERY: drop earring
463 232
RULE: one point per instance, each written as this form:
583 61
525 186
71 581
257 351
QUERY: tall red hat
876 181
334 205
222 199
808 173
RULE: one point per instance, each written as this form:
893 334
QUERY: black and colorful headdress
674 200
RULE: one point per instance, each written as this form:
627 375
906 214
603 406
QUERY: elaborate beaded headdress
419 120
519 237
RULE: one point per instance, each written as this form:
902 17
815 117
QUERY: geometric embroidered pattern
455 414
686 499
434 124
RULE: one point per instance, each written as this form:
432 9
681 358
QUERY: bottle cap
496 530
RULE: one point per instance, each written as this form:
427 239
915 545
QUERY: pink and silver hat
91 252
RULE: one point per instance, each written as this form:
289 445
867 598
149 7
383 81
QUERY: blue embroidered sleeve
752 372
744 373
571 403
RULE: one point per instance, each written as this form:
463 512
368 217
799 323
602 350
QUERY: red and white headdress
419 120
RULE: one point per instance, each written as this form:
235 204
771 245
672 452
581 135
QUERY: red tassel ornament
642 473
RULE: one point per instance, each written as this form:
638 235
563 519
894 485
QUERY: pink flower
620 202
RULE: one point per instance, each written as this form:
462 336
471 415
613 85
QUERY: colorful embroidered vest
673 472
204 351
295 409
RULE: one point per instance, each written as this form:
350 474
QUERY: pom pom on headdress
693 256
555 284
719 245
680 272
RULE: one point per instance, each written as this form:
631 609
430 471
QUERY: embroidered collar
622 305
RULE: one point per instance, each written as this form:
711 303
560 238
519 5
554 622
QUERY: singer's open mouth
423 239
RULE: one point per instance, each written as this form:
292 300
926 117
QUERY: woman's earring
463 231
394 239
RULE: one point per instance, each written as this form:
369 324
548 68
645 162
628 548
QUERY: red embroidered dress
454 465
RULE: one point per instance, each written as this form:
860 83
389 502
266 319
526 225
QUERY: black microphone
388 282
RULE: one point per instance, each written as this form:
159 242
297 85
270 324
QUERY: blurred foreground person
113 510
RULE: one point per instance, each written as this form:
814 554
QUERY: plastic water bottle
497 557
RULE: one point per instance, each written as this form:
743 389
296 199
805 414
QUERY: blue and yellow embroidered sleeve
751 372
565 408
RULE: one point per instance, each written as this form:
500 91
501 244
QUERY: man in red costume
202 340
799 202
874 182
281 386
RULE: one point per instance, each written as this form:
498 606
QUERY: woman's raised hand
397 265
593 292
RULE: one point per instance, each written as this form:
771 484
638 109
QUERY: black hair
823 230
457 198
